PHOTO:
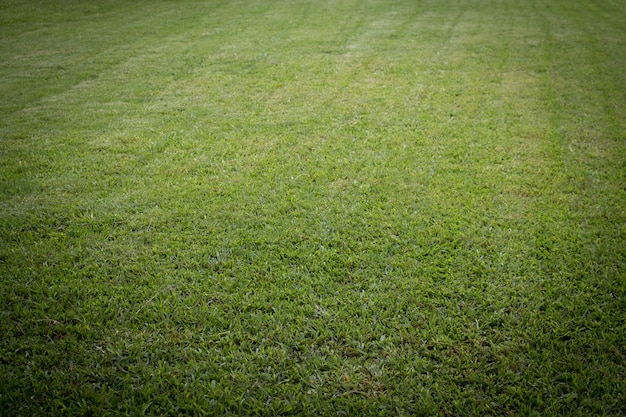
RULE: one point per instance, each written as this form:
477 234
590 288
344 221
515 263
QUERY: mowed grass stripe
275 207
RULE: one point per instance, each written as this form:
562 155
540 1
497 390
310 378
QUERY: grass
372 207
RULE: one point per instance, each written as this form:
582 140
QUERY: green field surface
313 207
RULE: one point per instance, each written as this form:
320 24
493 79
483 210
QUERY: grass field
270 207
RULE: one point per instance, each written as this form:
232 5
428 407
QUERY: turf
362 207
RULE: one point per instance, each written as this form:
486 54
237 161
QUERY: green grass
270 207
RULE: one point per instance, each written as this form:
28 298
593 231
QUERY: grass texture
272 207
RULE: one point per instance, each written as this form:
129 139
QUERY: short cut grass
270 207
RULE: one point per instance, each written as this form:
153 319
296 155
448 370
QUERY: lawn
313 207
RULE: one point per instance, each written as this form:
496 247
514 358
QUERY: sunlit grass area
270 207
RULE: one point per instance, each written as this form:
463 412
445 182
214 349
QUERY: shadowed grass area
369 207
